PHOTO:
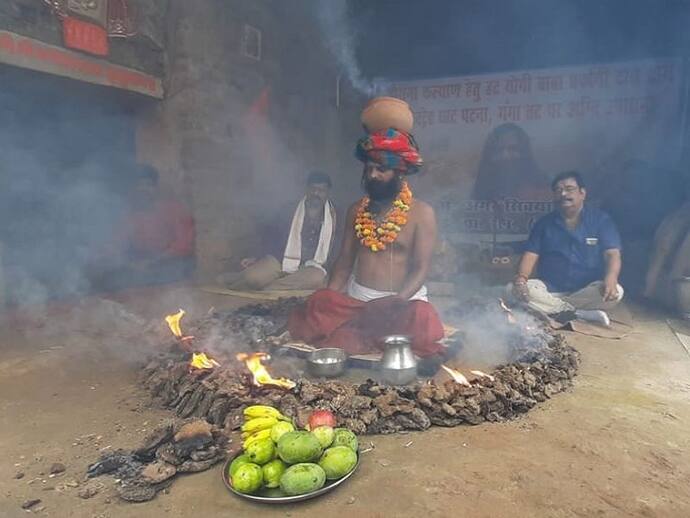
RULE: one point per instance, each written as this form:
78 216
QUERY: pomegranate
321 418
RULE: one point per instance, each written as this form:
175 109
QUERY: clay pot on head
387 112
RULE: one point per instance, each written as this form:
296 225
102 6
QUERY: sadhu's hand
386 307
610 289
392 301
382 314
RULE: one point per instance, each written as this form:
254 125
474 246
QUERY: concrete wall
236 136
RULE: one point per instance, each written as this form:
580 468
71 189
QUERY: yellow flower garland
376 237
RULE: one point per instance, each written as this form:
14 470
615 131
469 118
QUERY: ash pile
250 325
175 447
536 365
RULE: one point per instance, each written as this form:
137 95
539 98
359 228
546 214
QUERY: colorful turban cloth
391 149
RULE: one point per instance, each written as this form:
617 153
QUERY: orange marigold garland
376 236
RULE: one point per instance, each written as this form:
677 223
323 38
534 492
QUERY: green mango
338 461
344 437
261 451
272 473
297 447
302 478
248 478
236 463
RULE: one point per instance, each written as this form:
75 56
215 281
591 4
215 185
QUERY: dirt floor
615 445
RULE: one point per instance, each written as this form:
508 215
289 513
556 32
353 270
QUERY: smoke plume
339 36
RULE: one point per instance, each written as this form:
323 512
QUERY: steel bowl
327 363
266 497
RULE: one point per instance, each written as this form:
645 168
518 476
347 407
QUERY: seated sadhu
377 286
576 252
153 244
302 239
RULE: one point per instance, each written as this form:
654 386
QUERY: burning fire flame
174 323
457 376
259 371
201 361
483 375
509 313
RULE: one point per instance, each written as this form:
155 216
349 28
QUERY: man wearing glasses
576 252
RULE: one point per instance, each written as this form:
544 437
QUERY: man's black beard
380 192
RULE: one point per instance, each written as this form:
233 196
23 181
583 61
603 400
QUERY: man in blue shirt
576 252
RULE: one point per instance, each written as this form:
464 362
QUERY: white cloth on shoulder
292 257
359 292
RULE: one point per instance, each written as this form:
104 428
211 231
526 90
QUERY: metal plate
330 485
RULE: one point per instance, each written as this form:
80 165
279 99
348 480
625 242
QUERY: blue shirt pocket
592 252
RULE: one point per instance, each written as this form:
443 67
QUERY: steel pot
398 365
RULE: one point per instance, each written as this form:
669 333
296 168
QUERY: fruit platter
281 464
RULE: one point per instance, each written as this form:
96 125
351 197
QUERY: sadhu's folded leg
391 316
332 319
421 322
323 312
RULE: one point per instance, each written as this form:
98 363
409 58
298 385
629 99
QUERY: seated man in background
577 254
670 260
154 243
304 256
377 287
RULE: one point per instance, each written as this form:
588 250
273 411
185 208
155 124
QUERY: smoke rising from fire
490 335
62 188
339 35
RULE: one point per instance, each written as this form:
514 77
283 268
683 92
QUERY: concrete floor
616 445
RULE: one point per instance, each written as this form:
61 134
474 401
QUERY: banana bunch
256 436
255 411
258 421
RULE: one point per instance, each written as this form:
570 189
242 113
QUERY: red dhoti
332 319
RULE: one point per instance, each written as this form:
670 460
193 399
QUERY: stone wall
236 136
